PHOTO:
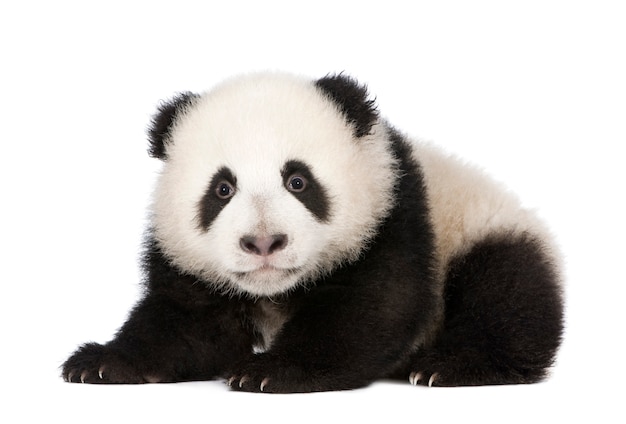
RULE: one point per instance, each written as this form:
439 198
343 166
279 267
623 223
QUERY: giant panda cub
299 243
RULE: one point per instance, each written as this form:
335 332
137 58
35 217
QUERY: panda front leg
340 338
165 340
308 355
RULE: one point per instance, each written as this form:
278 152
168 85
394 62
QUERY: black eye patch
221 189
300 182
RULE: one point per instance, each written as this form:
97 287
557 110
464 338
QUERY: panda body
300 243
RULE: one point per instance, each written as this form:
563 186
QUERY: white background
533 91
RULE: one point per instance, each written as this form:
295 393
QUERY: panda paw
440 370
263 374
433 369
248 383
98 364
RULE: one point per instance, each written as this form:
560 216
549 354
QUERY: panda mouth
267 269
266 280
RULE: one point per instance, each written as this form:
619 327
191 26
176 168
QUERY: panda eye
224 190
296 183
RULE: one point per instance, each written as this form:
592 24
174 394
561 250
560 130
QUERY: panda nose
263 246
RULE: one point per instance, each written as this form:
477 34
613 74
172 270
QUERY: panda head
269 180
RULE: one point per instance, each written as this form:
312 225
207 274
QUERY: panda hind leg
503 319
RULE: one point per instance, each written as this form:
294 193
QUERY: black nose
263 246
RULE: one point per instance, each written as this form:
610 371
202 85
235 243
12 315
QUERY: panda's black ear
352 99
163 122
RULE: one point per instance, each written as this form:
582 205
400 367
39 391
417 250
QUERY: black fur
314 196
211 204
163 121
352 100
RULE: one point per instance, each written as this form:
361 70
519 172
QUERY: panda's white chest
268 318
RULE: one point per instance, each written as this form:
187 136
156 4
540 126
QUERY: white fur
466 205
253 125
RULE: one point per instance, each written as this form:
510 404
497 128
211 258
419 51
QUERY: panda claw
432 379
101 373
414 378
243 380
264 383
69 377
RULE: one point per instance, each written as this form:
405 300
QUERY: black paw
469 368
95 363
435 370
443 373
263 374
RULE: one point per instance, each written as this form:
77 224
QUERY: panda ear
163 122
352 100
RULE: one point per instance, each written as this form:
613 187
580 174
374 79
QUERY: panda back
467 206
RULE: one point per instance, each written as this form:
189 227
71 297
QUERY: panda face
266 186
